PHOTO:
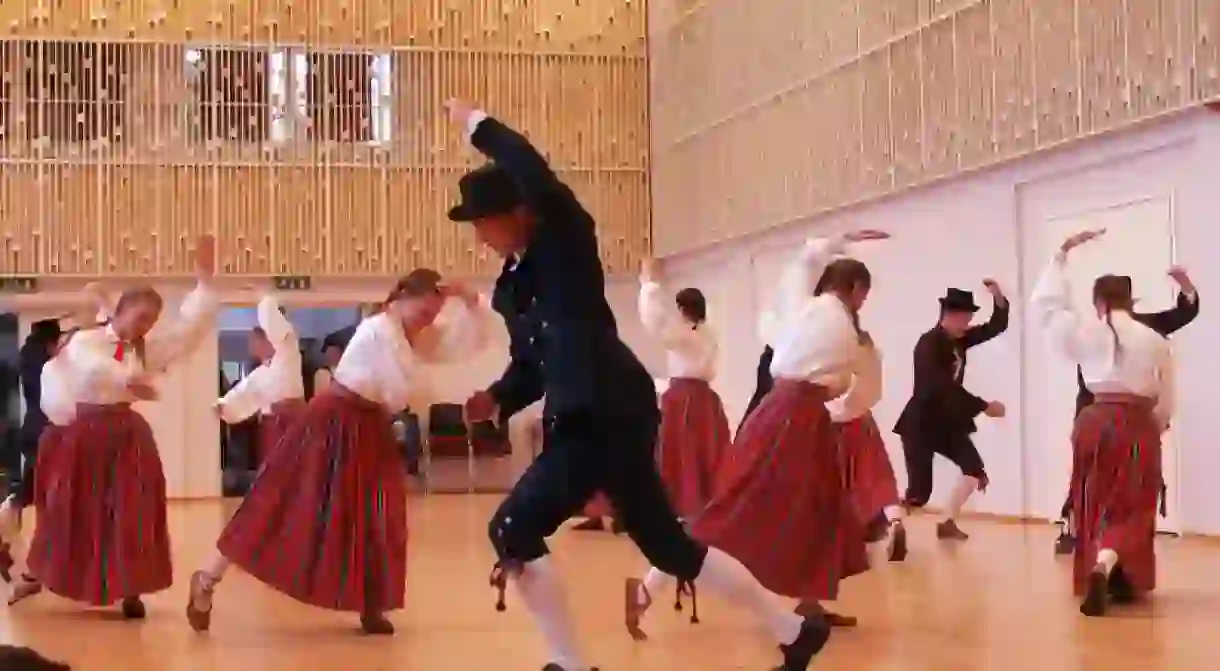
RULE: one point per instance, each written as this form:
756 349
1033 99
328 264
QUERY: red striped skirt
273 425
48 444
870 476
325 520
781 505
693 441
1116 478
101 534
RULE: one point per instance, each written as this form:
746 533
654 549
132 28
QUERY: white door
1138 243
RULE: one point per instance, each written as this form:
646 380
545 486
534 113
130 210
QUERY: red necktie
118 352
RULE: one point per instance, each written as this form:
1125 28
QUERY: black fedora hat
486 191
958 300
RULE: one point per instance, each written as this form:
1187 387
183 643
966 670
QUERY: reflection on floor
1000 602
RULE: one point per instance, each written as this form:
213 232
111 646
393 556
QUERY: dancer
39 347
763 384
694 430
275 388
601 405
939 417
1116 441
102 534
1166 323
325 520
798 535
871 484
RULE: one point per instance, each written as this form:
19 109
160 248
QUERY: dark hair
844 275
1113 292
258 331
692 305
44 332
13 658
415 284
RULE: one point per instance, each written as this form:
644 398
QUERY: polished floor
998 602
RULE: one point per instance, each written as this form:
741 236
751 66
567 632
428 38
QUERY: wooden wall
129 127
770 112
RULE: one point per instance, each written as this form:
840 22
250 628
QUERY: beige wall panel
876 137
940 105
975 85
1014 69
906 110
1056 77
1207 47
887 94
1105 77
122 182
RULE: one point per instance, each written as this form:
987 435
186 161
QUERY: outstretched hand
997 294
1178 273
650 271
459 110
1080 238
866 234
205 258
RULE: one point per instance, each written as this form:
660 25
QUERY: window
75 91
347 96
234 92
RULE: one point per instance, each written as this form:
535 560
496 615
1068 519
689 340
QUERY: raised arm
801 275
247 398
272 321
184 331
508 148
1052 307
461 331
997 324
1182 313
660 316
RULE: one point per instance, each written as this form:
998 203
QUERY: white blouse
274 381
97 377
56 400
690 350
865 391
813 336
380 364
1143 367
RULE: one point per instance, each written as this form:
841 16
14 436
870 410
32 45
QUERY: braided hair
1113 292
841 276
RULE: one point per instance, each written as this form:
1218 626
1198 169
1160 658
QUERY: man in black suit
939 417
1166 322
36 351
600 415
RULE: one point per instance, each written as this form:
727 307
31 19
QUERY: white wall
186 431
959 232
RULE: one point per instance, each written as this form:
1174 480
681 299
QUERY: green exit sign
18 284
293 283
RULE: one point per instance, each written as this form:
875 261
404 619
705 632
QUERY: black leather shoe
133 608
815 631
1097 598
1065 545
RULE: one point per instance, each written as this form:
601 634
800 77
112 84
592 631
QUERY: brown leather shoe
898 542
634 608
813 609
949 531
133 608
376 624
6 562
199 602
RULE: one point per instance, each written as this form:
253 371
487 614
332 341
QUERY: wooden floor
999 602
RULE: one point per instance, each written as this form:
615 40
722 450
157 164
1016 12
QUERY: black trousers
587 453
919 452
23 490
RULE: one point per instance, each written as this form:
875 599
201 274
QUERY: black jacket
33 356
1165 322
939 404
564 342
763 386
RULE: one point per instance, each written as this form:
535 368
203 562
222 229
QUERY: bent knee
514 540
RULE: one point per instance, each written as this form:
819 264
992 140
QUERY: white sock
543 594
216 566
1108 558
727 577
654 583
962 492
894 513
